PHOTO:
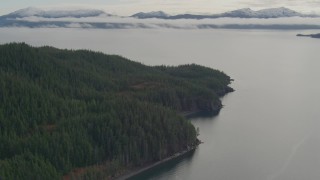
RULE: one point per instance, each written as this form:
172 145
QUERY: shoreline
186 114
137 171
317 36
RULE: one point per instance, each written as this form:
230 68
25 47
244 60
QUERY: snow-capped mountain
31 11
276 13
264 13
153 14
240 13
243 13
26 12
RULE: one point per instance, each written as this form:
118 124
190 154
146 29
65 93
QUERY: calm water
269 128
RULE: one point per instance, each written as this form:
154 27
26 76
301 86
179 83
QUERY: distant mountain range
31 11
98 19
240 13
82 13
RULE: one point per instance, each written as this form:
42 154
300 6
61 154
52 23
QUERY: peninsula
309 35
87 115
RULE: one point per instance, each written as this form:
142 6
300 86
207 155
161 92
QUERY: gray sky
127 7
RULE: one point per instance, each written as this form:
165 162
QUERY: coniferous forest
67 110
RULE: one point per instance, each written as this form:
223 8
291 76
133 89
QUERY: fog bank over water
113 22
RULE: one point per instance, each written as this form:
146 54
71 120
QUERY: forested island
309 35
78 114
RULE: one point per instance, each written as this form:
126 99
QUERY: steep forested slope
64 109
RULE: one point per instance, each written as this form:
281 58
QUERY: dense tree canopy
65 109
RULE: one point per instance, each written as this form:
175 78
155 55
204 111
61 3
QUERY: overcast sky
127 7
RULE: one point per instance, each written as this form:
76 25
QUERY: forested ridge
62 110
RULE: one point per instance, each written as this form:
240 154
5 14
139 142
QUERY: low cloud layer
293 23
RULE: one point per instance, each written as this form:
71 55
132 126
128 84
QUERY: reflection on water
167 167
